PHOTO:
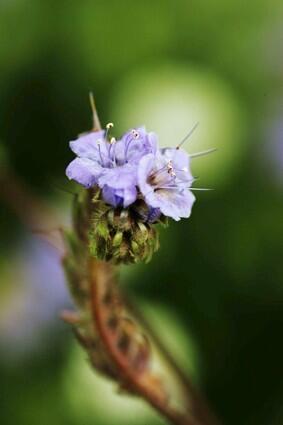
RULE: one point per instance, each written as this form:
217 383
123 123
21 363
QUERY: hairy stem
144 384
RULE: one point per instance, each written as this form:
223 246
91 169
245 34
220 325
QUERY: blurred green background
215 288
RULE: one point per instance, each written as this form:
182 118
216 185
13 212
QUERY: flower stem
145 385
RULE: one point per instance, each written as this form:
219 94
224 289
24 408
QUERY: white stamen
170 169
135 135
187 136
108 128
113 143
200 188
197 154
99 149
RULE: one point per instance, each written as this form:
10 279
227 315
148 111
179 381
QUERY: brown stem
142 384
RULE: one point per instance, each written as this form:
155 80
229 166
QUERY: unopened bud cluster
119 235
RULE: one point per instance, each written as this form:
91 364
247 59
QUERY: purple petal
84 171
119 197
132 150
111 196
173 203
153 142
86 145
145 167
118 177
130 195
180 161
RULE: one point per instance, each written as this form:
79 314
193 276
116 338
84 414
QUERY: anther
135 134
108 128
170 169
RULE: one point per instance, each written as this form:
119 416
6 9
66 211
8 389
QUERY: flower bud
119 235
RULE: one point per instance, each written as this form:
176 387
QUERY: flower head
134 169
111 164
164 181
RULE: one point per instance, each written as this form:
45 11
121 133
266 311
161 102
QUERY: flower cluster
134 168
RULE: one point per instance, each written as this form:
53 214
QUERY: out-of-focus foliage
172 100
219 274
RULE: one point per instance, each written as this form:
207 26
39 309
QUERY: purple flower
111 164
135 144
134 168
164 180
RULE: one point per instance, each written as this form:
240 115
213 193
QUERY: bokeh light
171 99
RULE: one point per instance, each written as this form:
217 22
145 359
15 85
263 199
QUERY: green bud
135 247
117 240
118 235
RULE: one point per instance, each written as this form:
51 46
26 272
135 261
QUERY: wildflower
164 180
134 170
111 165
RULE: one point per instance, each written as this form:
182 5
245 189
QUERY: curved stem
101 277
